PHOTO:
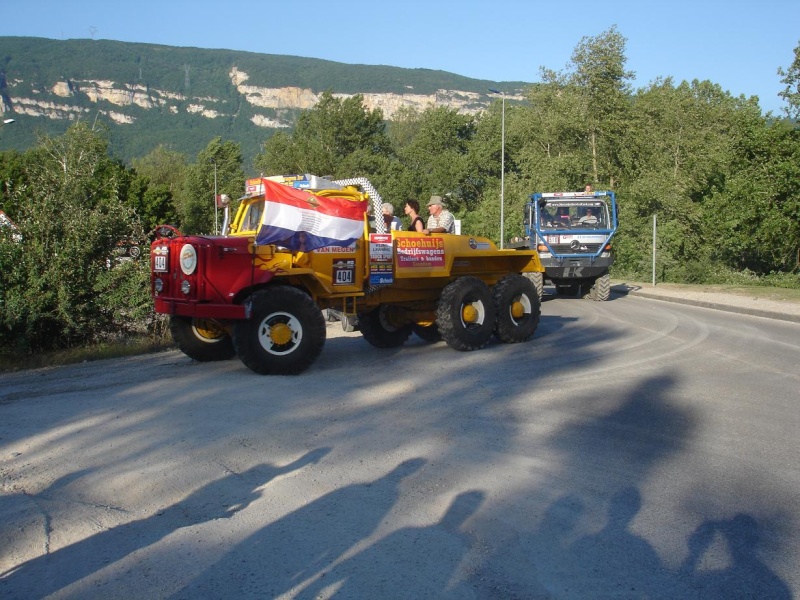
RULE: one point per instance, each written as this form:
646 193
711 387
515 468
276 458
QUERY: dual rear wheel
468 313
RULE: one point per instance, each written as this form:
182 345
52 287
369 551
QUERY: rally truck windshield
571 224
571 215
251 212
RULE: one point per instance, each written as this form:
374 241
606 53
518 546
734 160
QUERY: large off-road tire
201 339
285 334
428 333
378 329
466 314
518 309
537 279
600 290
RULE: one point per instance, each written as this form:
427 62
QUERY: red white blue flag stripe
300 220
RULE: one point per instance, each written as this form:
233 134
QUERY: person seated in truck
545 218
562 216
412 210
441 219
391 221
589 218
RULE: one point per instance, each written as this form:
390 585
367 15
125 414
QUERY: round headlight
188 259
185 286
158 285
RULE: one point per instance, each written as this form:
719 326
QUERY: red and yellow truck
301 244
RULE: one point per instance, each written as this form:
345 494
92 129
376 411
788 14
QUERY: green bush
70 227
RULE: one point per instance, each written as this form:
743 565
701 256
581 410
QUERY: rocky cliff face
271 107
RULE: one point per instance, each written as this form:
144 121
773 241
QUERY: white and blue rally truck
572 232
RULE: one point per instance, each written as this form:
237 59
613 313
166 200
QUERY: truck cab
572 232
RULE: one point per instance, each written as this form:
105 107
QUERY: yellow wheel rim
469 314
208 329
280 334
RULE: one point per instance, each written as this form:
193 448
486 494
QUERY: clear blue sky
738 44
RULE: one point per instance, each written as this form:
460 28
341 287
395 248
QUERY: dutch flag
301 220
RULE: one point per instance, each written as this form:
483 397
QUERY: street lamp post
502 166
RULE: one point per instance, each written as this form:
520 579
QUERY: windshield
573 215
251 220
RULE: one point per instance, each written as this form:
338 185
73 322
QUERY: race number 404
160 263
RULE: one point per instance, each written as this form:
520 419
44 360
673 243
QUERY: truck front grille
583 249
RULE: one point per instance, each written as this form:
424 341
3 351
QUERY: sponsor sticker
420 252
380 259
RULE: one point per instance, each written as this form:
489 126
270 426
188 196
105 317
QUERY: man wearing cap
441 219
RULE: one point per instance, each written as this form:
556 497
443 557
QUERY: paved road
633 449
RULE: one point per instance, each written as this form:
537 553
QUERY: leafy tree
71 221
484 164
552 152
162 167
403 127
195 199
333 138
435 159
755 217
571 131
791 93
677 157
154 204
162 173
573 128
601 77
12 177
123 295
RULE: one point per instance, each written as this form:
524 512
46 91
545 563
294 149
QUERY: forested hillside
151 95
721 178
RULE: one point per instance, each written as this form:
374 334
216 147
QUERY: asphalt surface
635 448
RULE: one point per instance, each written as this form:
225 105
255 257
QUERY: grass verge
54 358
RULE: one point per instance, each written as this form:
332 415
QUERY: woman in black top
412 210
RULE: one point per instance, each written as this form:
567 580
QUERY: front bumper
576 267
201 311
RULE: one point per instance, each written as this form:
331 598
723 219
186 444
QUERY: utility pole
502 167
216 204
